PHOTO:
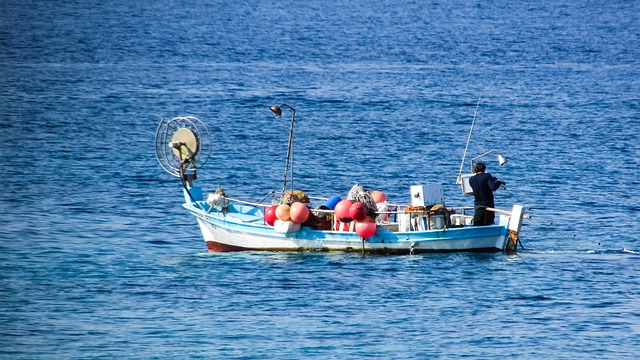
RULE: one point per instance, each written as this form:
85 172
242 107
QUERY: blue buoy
332 202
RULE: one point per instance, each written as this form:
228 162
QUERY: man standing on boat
483 185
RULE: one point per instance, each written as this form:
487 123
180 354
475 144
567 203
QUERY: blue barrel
332 202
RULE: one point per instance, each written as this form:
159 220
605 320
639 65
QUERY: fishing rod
464 155
504 187
510 193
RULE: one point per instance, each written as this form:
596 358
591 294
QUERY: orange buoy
378 196
283 212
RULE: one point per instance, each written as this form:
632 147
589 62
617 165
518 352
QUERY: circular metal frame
182 140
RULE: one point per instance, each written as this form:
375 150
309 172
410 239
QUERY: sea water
99 260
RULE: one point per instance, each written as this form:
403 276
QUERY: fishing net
318 220
295 196
358 193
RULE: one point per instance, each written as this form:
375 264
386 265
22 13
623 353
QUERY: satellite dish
182 143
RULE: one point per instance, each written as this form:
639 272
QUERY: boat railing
397 217
397 213
399 208
248 202
260 204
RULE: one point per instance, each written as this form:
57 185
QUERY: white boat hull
229 232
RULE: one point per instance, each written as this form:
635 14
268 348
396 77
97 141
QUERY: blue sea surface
99 260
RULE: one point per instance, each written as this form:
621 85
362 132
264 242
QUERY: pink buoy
366 229
299 212
270 215
282 212
358 211
378 196
342 211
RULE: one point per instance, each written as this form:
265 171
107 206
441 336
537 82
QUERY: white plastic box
466 188
426 195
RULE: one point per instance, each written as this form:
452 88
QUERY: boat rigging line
271 193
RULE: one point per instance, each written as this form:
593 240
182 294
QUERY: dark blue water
98 260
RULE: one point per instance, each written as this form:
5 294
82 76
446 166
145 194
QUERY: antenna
464 155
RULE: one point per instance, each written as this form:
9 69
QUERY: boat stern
515 223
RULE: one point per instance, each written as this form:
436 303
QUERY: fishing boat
361 221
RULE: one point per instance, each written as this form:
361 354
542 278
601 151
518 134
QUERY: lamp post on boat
277 110
501 159
463 180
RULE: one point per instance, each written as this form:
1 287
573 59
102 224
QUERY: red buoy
358 211
366 229
270 215
299 212
342 211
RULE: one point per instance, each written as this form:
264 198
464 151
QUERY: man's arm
494 183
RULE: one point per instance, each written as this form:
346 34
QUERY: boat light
277 110
501 159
